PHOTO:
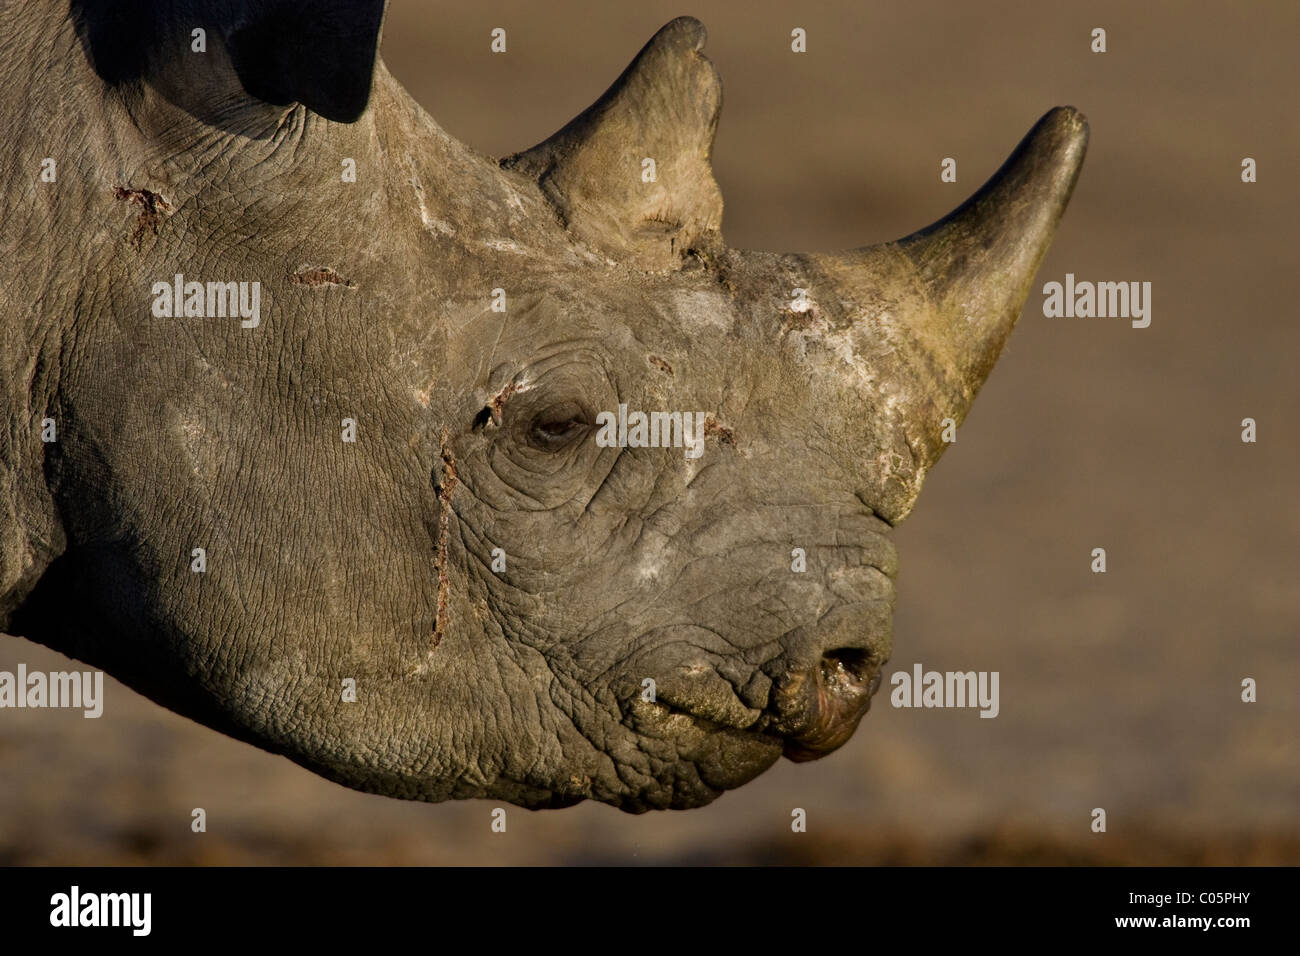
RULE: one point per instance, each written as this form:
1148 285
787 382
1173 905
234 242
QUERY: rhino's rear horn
631 175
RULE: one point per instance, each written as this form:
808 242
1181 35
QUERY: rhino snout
821 692
835 695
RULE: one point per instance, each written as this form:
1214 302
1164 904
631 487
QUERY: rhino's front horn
977 264
931 312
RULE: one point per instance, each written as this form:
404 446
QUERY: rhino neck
44 79
146 188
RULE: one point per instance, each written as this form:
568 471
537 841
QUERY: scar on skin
492 410
795 321
444 489
320 275
713 427
711 264
660 364
152 209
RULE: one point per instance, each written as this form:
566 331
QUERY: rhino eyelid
555 429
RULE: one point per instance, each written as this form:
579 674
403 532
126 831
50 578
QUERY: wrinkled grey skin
329 560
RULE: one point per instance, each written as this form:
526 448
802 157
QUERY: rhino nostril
846 668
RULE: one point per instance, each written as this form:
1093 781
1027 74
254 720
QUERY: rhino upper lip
796 747
834 719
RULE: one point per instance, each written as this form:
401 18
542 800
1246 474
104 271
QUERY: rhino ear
320 53
631 175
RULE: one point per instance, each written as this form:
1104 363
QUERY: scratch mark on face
153 208
497 402
712 427
320 276
444 489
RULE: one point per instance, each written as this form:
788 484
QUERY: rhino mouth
809 717
709 716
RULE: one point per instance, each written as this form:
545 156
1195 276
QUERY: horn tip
684 33
1066 128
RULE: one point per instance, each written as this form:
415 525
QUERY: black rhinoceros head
449 477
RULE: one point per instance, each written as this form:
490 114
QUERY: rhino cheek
719 757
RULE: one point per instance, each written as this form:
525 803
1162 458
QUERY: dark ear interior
117 36
320 53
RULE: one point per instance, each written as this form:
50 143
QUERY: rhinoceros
303 397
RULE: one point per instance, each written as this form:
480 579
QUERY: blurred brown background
1119 690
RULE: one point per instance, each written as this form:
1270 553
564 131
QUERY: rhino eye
558 427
